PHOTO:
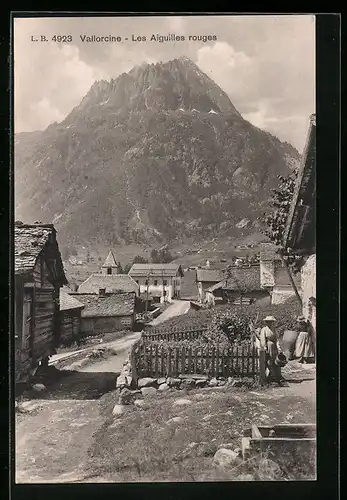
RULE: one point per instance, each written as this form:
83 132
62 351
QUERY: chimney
102 292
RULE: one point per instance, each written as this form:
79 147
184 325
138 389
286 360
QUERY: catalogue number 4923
54 38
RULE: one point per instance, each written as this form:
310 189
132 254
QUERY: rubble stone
226 458
146 382
148 391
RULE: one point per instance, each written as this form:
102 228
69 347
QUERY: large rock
146 382
173 382
39 388
175 420
226 458
213 382
200 383
182 402
163 387
123 381
127 397
140 403
188 383
161 380
148 391
193 376
117 410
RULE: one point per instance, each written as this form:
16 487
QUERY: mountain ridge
158 153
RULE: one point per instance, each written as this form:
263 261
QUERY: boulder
213 382
127 397
163 387
123 381
117 410
226 458
161 380
193 376
188 383
201 383
148 391
182 402
39 388
140 403
146 382
175 420
221 382
173 382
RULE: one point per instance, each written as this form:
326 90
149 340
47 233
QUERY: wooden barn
39 274
70 317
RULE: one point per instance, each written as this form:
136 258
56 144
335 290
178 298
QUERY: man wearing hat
304 345
269 342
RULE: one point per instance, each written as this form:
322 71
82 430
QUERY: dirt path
121 346
177 308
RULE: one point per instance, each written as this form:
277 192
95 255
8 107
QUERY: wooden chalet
300 232
39 274
70 316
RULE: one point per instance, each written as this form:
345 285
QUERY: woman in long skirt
304 350
269 341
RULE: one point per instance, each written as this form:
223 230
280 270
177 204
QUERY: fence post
262 366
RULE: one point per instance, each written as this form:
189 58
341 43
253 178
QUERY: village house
39 274
70 316
162 282
267 280
300 232
106 312
109 279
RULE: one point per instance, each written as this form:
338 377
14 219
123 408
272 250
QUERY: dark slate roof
110 260
209 275
299 234
111 282
67 302
29 241
142 270
282 278
242 278
109 305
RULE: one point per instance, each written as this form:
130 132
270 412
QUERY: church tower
110 265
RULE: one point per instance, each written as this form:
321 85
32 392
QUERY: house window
146 282
109 270
164 282
155 282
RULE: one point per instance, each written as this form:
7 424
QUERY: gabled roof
299 234
209 275
67 302
166 270
29 241
109 305
244 279
110 260
268 252
111 282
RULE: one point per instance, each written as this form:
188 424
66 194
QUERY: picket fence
173 334
155 360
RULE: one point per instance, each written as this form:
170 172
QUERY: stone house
106 312
162 282
300 232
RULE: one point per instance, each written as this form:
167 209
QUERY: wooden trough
283 443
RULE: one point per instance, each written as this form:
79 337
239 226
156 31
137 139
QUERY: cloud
264 63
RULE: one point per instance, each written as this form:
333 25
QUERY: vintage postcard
165 254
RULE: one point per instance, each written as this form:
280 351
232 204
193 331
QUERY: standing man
269 342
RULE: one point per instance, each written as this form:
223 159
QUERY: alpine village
165 305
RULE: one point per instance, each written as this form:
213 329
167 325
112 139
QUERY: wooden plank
177 361
217 362
243 355
183 360
256 434
156 361
213 369
162 362
223 362
195 359
190 364
169 370
262 367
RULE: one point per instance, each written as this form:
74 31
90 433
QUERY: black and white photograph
164 248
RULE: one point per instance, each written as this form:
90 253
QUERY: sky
266 64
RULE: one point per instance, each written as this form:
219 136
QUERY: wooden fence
173 334
154 360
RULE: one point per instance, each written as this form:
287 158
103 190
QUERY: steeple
110 265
